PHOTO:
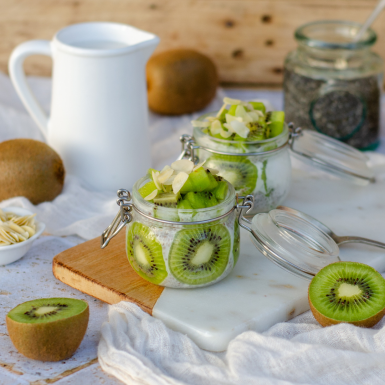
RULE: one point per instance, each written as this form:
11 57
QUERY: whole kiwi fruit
180 81
31 169
48 329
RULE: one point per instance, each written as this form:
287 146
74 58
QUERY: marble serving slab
257 294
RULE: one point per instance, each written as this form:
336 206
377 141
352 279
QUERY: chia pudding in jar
171 245
254 160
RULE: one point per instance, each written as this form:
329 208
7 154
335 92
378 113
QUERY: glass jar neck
331 44
336 59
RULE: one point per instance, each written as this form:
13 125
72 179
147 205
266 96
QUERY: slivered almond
155 179
151 196
233 102
199 165
164 175
183 165
200 123
179 181
169 181
213 171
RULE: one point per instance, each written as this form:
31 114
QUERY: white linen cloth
137 348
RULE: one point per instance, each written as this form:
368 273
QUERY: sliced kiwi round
199 254
237 170
48 329
145 254
348 292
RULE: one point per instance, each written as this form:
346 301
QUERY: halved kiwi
145 254
237 170
199 254
48 329
347 292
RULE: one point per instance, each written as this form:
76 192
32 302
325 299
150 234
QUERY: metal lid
293 242
332 156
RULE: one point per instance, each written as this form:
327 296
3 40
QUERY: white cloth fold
137 348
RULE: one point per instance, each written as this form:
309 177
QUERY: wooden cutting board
105 273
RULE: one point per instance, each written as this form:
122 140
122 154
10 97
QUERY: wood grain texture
105 274
247 39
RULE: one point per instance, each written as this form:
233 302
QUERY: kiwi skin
31 169
180 81
52 341
326 321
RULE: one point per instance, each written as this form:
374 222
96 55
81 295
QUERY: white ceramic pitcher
99 113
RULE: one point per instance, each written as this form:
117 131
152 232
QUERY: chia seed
348 110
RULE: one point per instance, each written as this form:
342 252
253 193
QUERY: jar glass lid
332 156
293 242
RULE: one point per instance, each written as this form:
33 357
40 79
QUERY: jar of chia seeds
333 85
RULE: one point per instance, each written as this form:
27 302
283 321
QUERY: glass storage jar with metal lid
180 248
263 168
287 238
332 84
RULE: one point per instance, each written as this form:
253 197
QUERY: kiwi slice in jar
240 172
347 292
145 254
200 254
48 329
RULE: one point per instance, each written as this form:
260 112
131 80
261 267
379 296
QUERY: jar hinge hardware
122 218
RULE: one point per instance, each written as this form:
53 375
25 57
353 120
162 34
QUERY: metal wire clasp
244 208
121 219
188 148
294 133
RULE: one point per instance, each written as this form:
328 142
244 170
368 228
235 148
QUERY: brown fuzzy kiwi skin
31 169
326 321
180 81
51 341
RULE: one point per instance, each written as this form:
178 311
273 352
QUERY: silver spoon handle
349 239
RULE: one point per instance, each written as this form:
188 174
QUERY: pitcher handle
16 72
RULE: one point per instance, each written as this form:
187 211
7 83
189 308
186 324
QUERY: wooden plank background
247 39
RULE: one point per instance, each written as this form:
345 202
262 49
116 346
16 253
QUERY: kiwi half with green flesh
145 254
348 292
199 254
240 172
48 329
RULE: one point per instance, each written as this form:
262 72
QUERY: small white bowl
12 253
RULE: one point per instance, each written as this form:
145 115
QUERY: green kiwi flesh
240 172
199 255
201 200
147 189
347 292
48 329
145 254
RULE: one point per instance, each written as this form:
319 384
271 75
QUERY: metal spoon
339 240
